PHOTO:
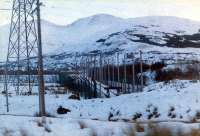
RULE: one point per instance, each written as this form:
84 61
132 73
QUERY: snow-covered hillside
108 33
156 102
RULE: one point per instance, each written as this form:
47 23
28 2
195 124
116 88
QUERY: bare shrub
137 115
110 116
171 112
139 127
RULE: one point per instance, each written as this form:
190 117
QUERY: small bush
172 109
171 113
173 116
137 116
110 116
139 127
74 97
62 110
153 112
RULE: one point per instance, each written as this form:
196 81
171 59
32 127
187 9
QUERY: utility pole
40 65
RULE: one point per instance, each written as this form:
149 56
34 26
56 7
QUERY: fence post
133 72
141 71
125 81
108 66
113 71
118 71
100 74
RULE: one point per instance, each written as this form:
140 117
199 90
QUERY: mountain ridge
107 33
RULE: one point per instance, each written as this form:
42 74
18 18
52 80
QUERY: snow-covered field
176 101
32 126
179 97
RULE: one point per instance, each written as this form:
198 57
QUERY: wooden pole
141 70
40 65
133 72
108 66
118 70
113 72
125 89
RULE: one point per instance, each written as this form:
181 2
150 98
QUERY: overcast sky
66 11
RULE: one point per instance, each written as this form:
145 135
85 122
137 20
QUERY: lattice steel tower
24 65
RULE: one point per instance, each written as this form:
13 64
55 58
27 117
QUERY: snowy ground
30 126
176 101
59 127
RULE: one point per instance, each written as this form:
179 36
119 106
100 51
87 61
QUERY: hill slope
108 33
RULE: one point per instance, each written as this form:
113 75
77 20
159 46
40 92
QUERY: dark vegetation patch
137 115
74 97
171 112
62 110
172 40
190 73
152 112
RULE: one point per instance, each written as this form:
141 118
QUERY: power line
5 9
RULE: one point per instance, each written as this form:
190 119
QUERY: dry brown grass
159 131
195 132
155 130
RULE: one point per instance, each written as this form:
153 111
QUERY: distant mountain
107 33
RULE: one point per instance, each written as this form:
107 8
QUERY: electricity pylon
24 64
